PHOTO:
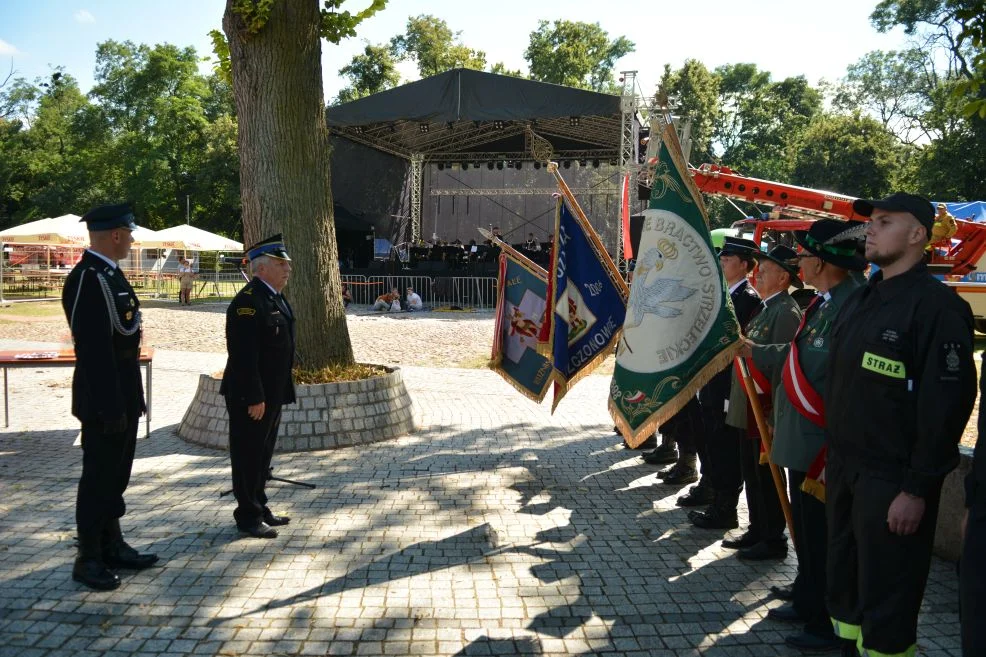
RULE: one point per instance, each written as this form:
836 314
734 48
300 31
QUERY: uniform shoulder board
248 290
246 310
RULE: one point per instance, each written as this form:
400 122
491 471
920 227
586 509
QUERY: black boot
89 568
118 554
721 514
699 495
685 471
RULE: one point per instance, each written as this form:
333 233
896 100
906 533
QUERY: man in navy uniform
722 452
899 389
258 381
107 395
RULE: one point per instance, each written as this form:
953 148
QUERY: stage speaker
643 192
636 227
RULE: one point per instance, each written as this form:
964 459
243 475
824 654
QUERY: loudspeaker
643 192
636 228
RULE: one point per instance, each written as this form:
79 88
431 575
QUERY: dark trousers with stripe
251 447
107 460
766 515
972 583
876 578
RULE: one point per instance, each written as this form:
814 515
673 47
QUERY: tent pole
2 300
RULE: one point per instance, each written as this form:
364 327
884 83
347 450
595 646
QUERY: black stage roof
466 115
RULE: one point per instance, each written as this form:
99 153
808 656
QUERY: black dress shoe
763 551
716 517
94 574
783 592
747 540
678 475
807 642
120 555
661 456
260 530
786 613
698 496
275 521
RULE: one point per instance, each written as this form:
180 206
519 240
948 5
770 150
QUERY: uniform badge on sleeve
246 311
951 361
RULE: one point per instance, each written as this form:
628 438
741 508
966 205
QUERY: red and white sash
800 392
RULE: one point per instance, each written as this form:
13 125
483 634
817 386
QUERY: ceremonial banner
520 309
680 329
588 299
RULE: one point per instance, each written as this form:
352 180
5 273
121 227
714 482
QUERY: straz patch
892 368
246 311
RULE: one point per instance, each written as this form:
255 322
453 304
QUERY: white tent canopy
189 238
66 230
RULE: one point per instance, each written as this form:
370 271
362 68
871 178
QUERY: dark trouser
251 447
721 460
107 459
876 579
766 516
811 537
972 584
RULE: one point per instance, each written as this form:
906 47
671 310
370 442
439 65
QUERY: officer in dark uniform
722 451
899 389
107 395
972 576
257 381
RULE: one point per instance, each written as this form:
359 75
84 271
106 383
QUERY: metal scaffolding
628 154
417 165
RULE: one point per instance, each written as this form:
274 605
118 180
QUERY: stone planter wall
325 416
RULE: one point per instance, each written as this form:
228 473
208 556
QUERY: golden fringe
814 488
565 386
495 366
676 403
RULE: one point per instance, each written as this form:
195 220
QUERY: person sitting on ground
413 300
347 297
385 301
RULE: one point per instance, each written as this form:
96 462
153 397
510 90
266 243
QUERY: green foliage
338 25
852 154
369 72
430 42
501 69
253 13
761 119
575 54
692 92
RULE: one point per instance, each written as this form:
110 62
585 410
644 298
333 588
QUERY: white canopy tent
65 231
189 238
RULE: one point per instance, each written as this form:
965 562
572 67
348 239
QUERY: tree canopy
575 54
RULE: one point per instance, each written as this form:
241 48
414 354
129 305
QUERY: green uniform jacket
797 439
777 322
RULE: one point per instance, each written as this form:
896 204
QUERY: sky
785 37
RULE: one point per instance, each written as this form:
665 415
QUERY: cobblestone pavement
495 529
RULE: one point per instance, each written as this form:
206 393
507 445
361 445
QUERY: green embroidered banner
680 328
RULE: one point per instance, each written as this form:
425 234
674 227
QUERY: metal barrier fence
438 291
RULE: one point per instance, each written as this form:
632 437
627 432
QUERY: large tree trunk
284 166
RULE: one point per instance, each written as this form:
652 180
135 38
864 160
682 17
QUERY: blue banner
520 311
589 303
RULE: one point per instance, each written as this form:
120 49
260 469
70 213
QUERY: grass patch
338 374
32 309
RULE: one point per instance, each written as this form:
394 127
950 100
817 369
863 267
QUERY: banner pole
765 436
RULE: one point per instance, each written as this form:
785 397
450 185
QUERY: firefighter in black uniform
899 389
972 576
107 396
722 451
257 381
